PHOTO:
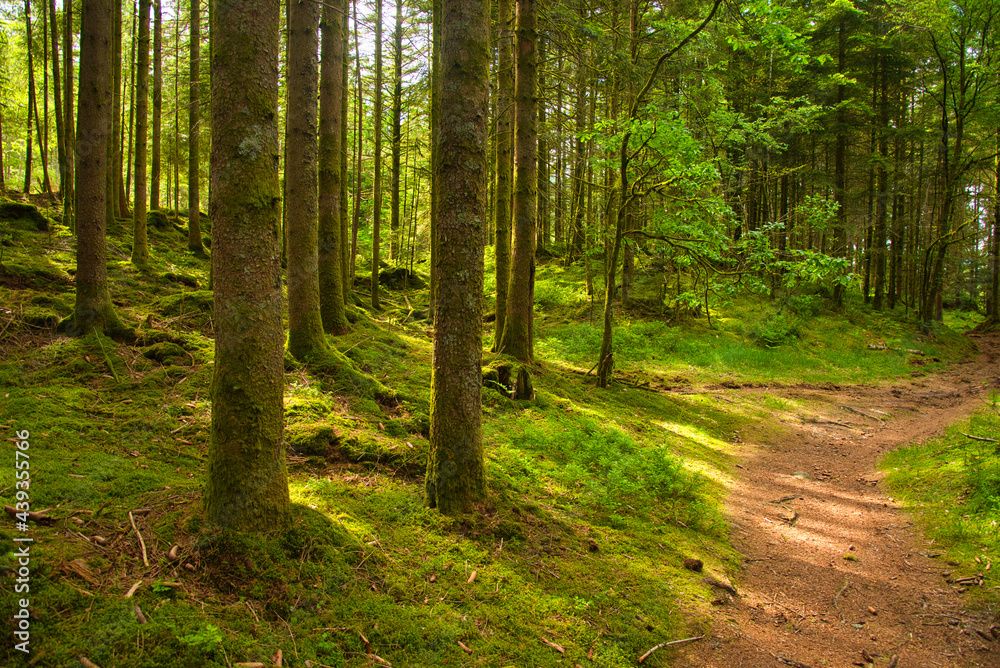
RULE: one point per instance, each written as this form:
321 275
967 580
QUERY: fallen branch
979 438
40 517
790 662
555 646
668 644
87 663
835 597
142 543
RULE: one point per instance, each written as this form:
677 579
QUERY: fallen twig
979 438
668 644
555 646
40 516
790 662
835 597
142 543
87 663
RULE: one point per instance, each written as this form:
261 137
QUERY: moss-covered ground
596 497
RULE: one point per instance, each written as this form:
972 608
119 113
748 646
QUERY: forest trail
834 571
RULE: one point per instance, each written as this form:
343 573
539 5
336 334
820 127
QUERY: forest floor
835 573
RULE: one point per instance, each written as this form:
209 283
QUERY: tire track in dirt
834 572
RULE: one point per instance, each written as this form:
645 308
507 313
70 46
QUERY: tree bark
397 134
377 161
31 99
246 487
305 325
517 333
57 98
194 132
504 167
93 310
455 470
140 241
331 239
154 178
69 141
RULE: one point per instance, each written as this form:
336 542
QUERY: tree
305 325
397 136
140 242
377 159
194 129
93 310
504 166
332 236
455 470
154 176
246 486
519 325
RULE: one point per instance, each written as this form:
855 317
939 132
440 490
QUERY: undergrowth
596 497
953 485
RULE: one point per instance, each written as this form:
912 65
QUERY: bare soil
834 571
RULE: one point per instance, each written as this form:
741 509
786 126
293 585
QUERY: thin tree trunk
140 241
359 114
154 178
31 98
69 120
57 99
397 137
377 161
194 132
517 334
93 310
504 167
345 246
305 324
331 121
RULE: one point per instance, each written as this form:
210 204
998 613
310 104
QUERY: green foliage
953 484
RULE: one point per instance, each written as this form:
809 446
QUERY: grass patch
952 483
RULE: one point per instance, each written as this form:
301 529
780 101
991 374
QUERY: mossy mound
326 443
167 352
191 309
23 216
400 278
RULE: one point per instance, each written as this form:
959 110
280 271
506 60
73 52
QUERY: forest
500 334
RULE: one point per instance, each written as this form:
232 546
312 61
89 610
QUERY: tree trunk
345 246
840 161
69 141
194 130
57 98
517 333
504 167
882 188
154 179
331 121
359 113
31 99
377 161
246 487
397 133
305 325
543 154
140 242
437 28
455 469
114 171
93 310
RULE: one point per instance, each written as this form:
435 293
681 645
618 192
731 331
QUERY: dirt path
801 603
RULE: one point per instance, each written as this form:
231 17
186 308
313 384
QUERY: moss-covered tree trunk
517 333
455 471
377 161
194 127
155 167
69 192
305 324
504 166
93 309
247 487
345 246
331 95
140 241
437 27
397 134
